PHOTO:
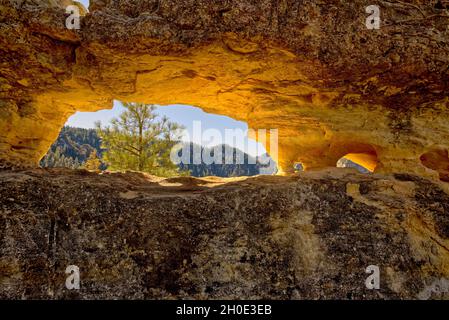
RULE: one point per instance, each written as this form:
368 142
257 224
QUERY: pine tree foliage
140 140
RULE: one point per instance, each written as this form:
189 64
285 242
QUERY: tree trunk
140 146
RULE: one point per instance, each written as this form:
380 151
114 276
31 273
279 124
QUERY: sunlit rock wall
311 69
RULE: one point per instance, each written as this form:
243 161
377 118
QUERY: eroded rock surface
308 68
307 237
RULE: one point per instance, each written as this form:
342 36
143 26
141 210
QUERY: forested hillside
231 164
74 146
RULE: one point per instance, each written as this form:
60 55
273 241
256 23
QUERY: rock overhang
311 70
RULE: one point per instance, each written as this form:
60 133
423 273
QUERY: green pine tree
140 140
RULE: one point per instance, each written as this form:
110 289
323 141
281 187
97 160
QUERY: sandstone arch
312 70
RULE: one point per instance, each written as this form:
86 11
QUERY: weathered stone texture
137 236
309 68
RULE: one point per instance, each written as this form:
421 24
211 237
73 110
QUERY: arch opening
202 132
298 167
362 157
362 162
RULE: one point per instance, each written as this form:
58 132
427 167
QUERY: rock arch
311 70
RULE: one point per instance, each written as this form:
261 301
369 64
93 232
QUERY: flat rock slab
134 236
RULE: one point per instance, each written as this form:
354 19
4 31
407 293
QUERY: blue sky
85 2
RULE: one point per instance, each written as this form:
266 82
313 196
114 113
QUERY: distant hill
239 163
74 146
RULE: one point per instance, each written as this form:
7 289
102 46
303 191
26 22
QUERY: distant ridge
74 146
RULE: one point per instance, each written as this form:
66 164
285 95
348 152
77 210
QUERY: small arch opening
298 167
360 156
362 162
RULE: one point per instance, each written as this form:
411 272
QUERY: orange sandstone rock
311 70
